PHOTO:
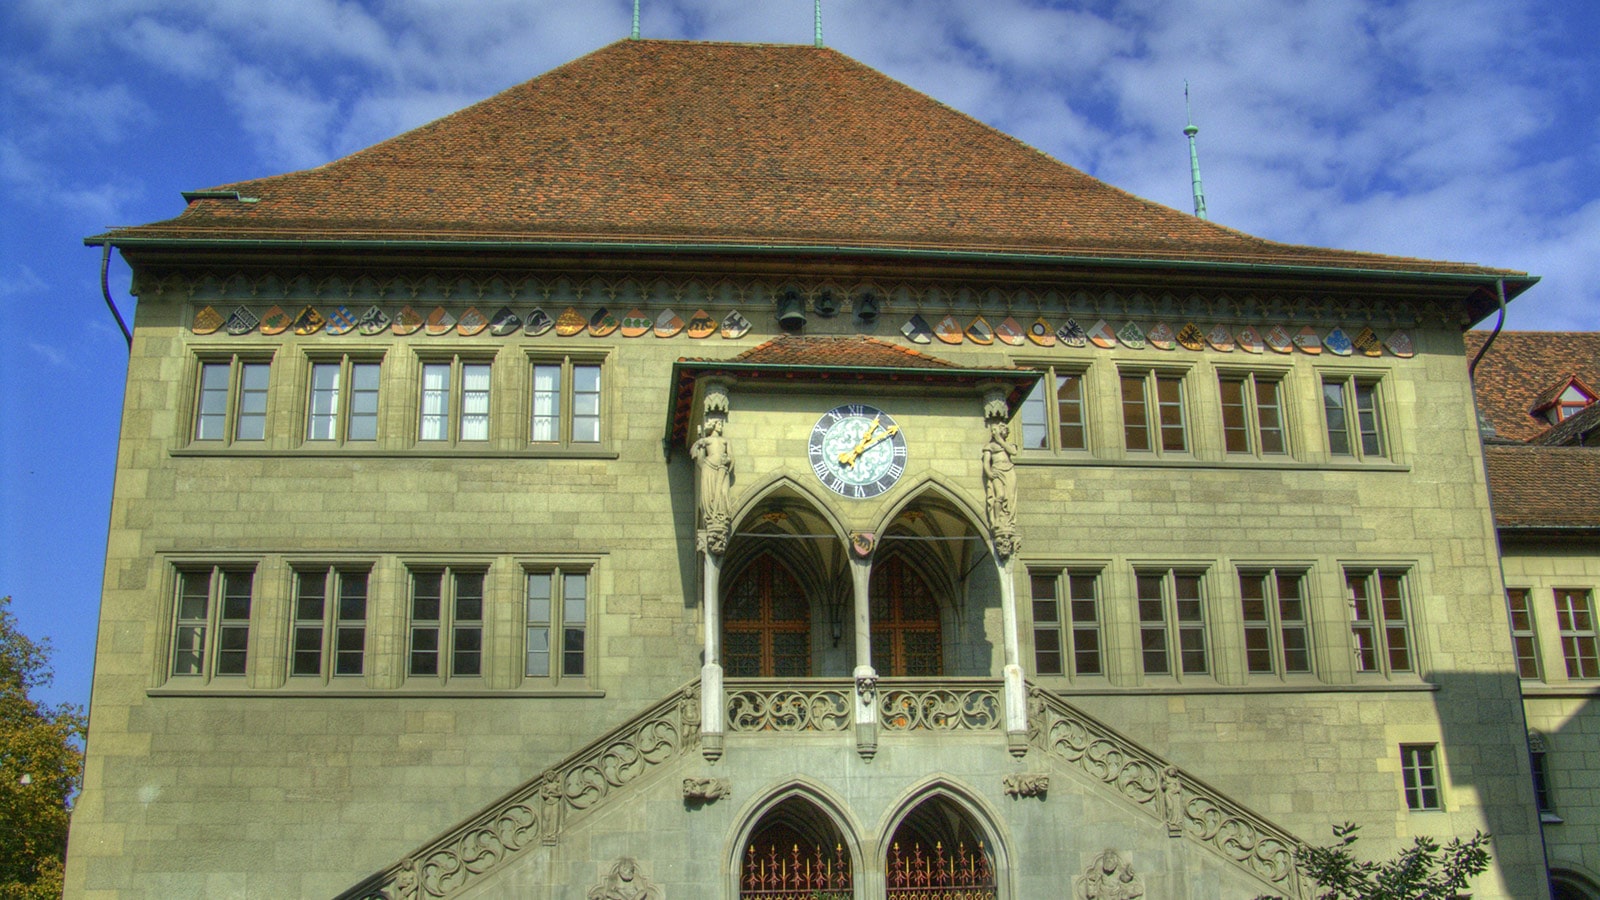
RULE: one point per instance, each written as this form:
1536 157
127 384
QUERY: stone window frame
1379 622
569 362
1273 624
1421 776
1152 378
333 626
347 360
557 622
1256 444
1576 627
449 628
216 638
1524 632
454 414
1048 418
1362 443
1173 625
239 364
1062 621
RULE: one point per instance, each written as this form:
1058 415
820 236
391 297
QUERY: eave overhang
687 373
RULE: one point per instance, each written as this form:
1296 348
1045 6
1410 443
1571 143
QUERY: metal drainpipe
105 291
1499 558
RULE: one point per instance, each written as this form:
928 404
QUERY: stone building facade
711 469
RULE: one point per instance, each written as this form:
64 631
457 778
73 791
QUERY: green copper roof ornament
635 34
817 39
1194 155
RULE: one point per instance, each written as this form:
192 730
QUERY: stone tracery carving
625 882
1109 877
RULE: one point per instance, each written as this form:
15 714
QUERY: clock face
857 450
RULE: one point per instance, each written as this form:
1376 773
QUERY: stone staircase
1069 740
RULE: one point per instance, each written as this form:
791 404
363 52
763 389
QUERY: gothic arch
804 805
948 799
779 482
932 485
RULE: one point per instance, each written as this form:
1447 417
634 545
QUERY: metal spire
635 34
818 39
1194 155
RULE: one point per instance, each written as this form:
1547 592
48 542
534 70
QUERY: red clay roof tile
1521 366
684 142
1548 487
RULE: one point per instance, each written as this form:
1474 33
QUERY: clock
857 450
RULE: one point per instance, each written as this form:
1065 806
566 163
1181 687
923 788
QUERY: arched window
766 623
906 636
795 853
938 852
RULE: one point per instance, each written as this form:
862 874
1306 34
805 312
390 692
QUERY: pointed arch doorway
907 635
766 623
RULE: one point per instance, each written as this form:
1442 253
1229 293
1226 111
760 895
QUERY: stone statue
714 464
1109 877
705 790
1027 784
624 882
552 798
1172 800
1000 488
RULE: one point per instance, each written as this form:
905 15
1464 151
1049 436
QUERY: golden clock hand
849 459
888 432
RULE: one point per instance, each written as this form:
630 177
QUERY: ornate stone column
713 460
866 677
1000 507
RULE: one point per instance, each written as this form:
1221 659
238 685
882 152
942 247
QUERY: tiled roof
1521 367
856 352
685 143
1544 487
1552 394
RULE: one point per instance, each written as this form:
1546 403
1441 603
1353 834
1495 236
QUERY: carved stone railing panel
940 705
537 811
1190 808
810 706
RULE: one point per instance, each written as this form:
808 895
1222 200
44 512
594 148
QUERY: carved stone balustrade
823 705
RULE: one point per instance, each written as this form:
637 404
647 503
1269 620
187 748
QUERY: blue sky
1451 129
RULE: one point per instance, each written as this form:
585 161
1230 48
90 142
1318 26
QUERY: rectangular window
455 400
558 617
1523 640
1575 621
1066 622
232 401
566 402
330 622
211 634
1153 412
344 401
1172 626
1354 417
1052 416
1276 636
1378 622
1252 414
1420 771
1539 762
446 623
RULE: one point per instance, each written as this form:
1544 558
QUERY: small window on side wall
1419 771
1052 415
1353 413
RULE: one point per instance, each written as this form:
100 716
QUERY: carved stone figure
1172 800
404 886
704 790
552 799
1000 488
714 464
1027 784
689 716
1109 877
625 882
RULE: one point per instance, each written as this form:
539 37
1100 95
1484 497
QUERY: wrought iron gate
772 872
920 873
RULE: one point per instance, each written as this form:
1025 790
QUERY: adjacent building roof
1522 368
1544 487
680 144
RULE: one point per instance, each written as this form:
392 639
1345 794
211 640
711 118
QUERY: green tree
40 768
1424 871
